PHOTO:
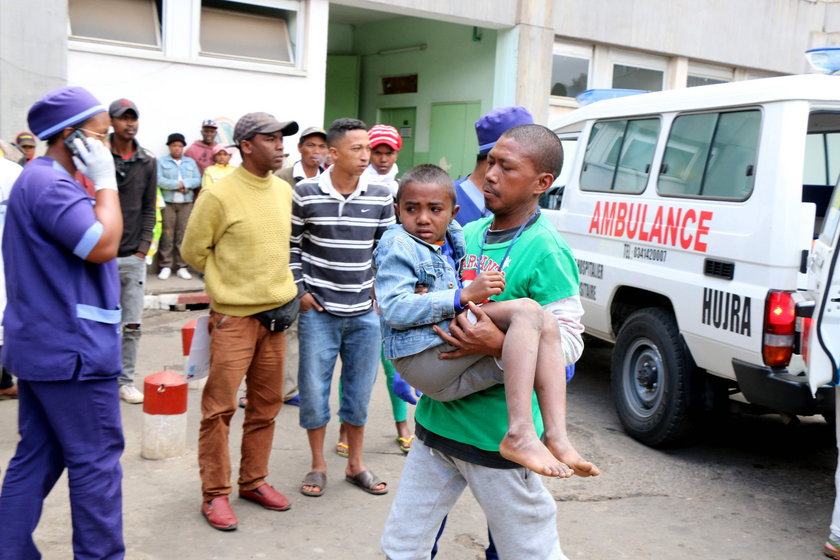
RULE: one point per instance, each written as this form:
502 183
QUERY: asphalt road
745 487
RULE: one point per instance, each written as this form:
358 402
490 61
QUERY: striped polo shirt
332 241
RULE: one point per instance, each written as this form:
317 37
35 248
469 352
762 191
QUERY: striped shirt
332 241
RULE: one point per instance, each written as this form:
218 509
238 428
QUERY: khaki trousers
175 216
239 347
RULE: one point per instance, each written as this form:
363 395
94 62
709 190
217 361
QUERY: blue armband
457 301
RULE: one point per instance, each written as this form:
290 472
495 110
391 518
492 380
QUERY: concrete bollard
164 416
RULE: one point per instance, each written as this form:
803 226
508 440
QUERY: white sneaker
184 273
130 394
165 273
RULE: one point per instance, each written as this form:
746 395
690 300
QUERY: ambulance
704 223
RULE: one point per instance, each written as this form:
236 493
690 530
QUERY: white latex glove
96 163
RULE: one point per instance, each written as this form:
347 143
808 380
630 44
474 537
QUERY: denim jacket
167 173
401 262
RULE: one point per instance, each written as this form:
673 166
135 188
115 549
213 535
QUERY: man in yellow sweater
238 236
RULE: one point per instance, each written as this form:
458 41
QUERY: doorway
403 119
452 142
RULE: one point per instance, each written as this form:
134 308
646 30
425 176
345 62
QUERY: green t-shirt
540 266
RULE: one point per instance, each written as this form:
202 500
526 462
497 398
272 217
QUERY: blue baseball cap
60 108
491 126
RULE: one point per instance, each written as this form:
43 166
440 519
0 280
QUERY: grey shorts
448 380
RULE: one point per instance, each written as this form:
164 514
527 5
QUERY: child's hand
421 289
486 284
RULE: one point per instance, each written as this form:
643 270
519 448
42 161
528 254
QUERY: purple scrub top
62 318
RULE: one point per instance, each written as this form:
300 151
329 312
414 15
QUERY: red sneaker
218 514
267 497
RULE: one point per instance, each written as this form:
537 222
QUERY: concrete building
429 67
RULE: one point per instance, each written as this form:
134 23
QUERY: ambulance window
711 155
553 197
815 172
832 148
832 218
618 155
822 152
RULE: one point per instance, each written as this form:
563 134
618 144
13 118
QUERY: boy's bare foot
565 452
526 449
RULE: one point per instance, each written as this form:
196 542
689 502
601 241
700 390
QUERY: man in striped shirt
337 219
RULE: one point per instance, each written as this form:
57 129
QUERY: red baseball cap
384 134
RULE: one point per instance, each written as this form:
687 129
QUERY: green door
452 142
342 88
403 119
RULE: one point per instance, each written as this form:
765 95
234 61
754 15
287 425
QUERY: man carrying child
460 439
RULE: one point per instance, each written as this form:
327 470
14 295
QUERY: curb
176 302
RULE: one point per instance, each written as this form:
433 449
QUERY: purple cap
491 126
60 108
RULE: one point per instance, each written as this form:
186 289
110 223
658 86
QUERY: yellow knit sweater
238 236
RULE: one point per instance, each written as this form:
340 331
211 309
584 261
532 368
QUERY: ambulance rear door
822 342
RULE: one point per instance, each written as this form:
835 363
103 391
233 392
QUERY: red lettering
702 231
633 221
690 216
620 216
672 226
594 223
643 235
608 221
656 229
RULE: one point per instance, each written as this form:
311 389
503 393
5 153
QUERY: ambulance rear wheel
651 371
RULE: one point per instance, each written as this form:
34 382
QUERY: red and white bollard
164 415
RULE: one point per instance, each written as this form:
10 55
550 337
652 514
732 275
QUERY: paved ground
745 488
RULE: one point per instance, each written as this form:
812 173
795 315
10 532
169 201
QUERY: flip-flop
404 443
314 478
367 481
831 549
342 449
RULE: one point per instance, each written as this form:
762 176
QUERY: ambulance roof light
593 95
824 59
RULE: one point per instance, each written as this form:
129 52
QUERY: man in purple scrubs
62 331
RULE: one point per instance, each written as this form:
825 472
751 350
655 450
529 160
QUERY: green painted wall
339 38
342 88
452 68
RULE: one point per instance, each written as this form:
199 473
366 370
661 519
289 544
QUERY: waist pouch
280 318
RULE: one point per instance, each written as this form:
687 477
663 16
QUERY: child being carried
417 286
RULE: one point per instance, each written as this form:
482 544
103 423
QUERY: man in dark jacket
137 181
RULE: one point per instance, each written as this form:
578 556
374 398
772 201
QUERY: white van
692 215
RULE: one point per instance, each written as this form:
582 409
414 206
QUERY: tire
651 378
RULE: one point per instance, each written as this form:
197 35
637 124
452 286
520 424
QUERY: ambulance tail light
779 328
805 342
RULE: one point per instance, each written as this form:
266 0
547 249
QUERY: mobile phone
72 136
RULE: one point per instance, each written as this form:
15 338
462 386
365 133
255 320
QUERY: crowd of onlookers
290 254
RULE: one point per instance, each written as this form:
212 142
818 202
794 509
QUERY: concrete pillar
534 56
677 73
33 57
504 82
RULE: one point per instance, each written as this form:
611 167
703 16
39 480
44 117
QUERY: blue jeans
322 338
132 293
